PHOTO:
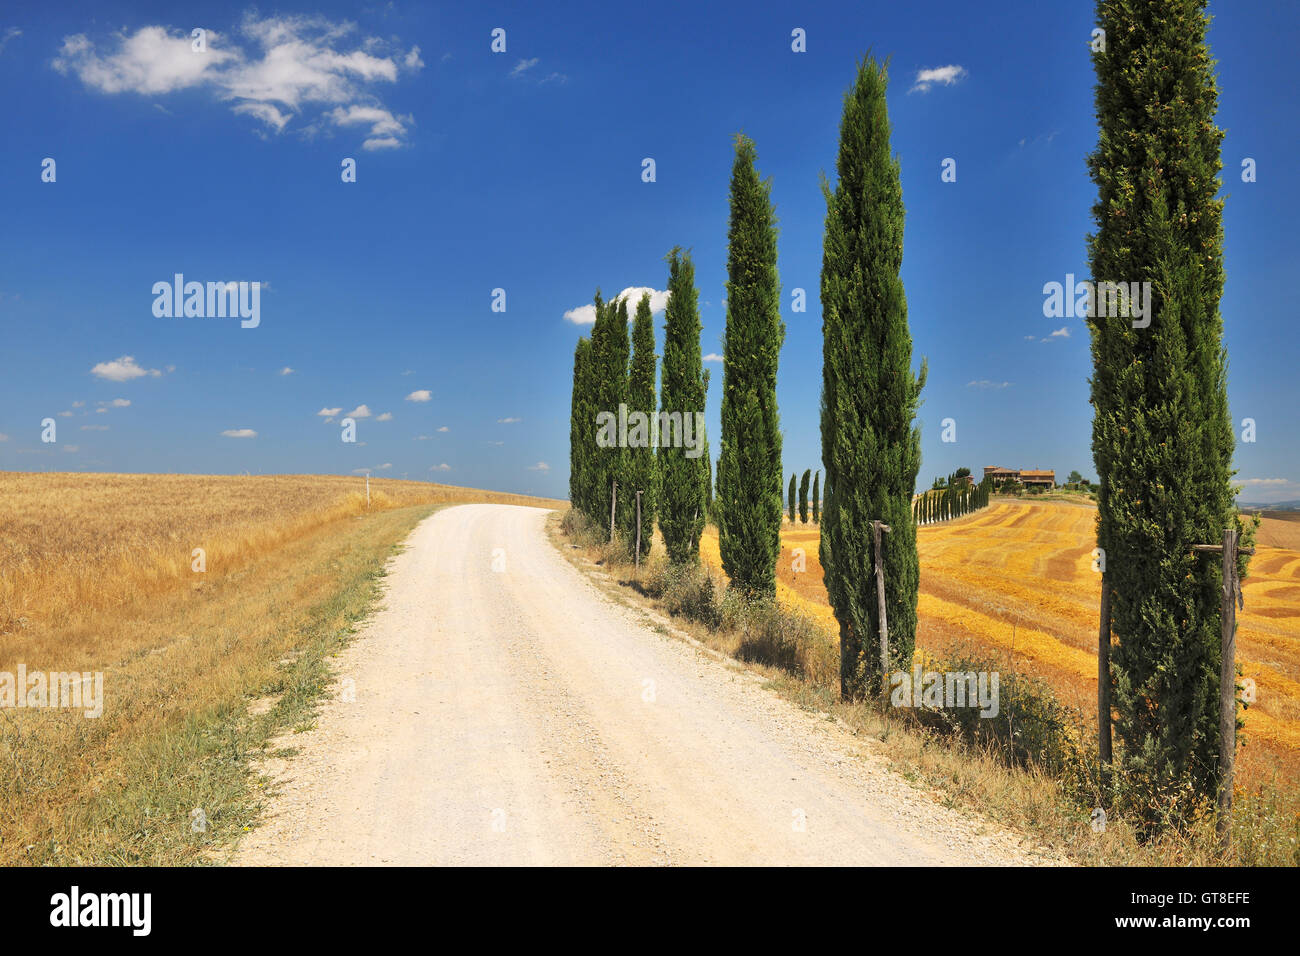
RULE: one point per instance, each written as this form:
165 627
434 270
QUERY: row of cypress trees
950 499
603 480
803 501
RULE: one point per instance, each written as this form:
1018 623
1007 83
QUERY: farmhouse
1029 477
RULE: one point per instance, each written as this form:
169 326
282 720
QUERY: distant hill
1293 505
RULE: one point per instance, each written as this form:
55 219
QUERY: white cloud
385 417
712 357
361 411
1263 481
420 395
1062 333
540 466
523 66
509 421
985 383
118 403
940 75
329 412
239 433
286 371
444 428
11 34
586 314
78 404
443 467
65 414
384 467
122 369
271 69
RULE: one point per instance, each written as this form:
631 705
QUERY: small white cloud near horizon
361 411
328 413
385 417
286 371
712 357
1263 481
509 421
940 75
122 369
419 395
443 428
384 467
985 383
540 466
443 467
239 433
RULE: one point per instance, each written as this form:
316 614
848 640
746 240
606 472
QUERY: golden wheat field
1016 579
77 547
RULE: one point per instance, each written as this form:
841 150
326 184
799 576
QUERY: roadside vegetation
201 670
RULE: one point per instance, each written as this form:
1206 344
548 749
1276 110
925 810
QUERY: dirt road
507 712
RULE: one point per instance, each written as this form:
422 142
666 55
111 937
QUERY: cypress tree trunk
803 496
749 476
641 398
1162 438
870 446
816 497
683 480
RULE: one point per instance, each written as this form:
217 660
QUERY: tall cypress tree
870 445
641 398
1162 437
682 480
803 495
582 429
791 497
749 475
609 366
816 497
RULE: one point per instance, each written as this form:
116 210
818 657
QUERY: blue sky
521 171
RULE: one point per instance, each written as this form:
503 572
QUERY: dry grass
76 548
1016 580
293 563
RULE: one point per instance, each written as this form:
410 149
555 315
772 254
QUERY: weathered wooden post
1229 600
1103 677
638 529
876 528
613 500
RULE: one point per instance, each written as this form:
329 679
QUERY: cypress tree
641 398
870 446
792 497
816 497
1162 437
803 496
749 475
578 431
683 480
609 365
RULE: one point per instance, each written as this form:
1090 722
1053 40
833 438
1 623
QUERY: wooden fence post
1230 598
1103 677
638 529
876 528
613 500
